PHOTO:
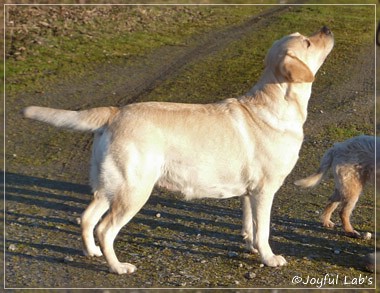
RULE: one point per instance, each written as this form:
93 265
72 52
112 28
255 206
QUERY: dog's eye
307 43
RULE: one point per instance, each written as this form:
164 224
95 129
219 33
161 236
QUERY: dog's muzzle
326 30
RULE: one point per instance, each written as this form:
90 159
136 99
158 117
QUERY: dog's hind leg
345 213
350 196
90 218
126 203
333 203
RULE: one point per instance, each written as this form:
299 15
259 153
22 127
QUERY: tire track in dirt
120 84
206 45
131 83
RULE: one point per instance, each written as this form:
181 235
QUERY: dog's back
353 164
358 151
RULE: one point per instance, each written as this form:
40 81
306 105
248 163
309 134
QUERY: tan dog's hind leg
333 203
90 218
126 204
350 197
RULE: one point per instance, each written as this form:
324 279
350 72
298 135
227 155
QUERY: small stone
158 215
261 265
367 236
12 247
250 275
78 220
237 282
68 259
240 265
337 251
232 254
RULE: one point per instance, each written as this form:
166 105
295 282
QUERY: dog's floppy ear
294 70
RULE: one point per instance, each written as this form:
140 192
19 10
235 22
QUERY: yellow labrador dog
236 147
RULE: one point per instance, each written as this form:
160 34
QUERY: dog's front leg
261 204
249 228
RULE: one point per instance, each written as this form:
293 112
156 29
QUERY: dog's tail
86 120
316 178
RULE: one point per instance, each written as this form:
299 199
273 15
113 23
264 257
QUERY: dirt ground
175 243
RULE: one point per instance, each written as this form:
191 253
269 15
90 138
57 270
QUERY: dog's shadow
309 240
208 228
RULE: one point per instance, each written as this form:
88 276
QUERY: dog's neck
291 96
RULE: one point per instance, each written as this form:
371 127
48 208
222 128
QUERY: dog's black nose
326 30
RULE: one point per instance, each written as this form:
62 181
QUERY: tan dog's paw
251 249
123 268
249 245
275 261
328 224
95 251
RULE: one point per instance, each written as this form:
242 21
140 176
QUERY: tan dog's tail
316 178
87 120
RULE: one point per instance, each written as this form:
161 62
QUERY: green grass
234 70
81 44
341 133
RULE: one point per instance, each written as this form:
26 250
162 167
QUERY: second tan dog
353 164
231 148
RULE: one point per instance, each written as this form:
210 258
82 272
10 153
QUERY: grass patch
69 40
337 133
233 71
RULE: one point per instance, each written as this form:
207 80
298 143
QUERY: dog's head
297 58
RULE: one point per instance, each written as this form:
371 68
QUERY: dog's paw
249 246
275 261
251 249
248 239
95 251
123 268
328 224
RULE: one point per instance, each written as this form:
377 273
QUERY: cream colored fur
236 147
